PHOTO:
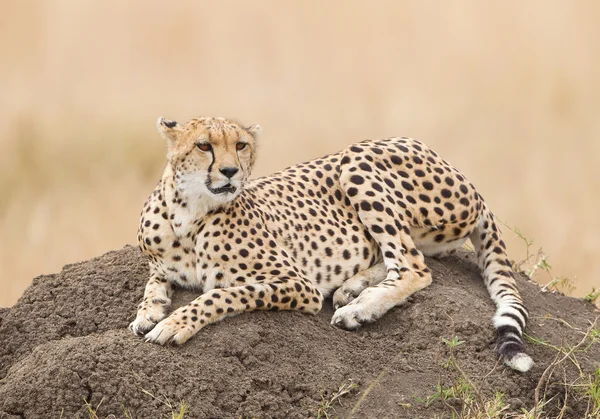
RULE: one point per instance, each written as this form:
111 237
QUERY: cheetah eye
240 146
204 146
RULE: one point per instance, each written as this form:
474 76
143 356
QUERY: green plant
591 389
178 413
462 398
327 404
592 296
537 261
92 412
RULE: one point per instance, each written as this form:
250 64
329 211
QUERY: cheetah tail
511 315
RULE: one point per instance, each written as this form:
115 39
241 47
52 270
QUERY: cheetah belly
330 264
429 247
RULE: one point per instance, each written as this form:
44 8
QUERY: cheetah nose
229 171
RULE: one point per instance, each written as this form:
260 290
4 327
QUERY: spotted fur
356 223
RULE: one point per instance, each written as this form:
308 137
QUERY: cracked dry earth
65 343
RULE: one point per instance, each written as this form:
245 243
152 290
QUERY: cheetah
354 225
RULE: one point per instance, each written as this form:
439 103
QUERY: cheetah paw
146 319
345 295
351 317
171 330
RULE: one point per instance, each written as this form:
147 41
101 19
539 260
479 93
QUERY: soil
65 343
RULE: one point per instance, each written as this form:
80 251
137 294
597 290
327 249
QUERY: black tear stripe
212 153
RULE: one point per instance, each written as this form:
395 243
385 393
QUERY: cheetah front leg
154 306
278 294
353 286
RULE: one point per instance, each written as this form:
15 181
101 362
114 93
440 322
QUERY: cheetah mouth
223 189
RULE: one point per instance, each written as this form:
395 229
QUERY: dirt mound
65 344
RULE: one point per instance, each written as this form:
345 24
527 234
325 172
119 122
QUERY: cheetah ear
254 130
169 130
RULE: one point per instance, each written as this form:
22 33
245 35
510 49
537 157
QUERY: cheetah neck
186 208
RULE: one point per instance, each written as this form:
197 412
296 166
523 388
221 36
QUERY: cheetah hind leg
353 286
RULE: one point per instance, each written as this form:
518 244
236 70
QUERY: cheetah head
211 158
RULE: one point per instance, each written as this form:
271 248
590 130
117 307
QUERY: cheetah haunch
356 223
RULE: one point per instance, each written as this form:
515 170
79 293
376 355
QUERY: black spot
358 180
402 148
364 166
424 198
407 186
378 206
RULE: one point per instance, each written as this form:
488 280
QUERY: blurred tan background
507 91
